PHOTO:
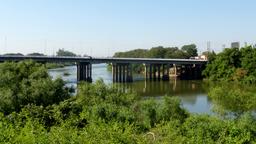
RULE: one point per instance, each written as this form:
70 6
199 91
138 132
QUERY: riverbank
42 110
100 113
57 65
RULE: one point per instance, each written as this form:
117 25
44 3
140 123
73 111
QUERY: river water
193 94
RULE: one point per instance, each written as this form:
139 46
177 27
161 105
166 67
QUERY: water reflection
193 94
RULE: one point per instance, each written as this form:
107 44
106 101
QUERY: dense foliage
35 54
62 52
28 82
101 113
233 64
185 52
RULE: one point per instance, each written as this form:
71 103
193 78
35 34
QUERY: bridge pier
84 71
153 72
191 72
158 72
166 72
122 72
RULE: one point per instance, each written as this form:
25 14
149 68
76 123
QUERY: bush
27 82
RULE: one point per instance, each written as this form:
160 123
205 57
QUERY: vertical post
168 70
175 70
120 73
150 71
163 72
123 67
83 72
129 70
87 72
117 72
113 72
165 76
131 77
154 72
146 71
78 67
90 72
159 71
125 73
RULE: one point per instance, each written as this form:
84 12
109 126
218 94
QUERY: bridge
155 69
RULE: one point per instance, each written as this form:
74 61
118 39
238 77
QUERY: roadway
95 60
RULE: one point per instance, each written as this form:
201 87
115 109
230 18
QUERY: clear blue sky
101 27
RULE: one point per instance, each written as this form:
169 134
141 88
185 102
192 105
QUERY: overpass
155 69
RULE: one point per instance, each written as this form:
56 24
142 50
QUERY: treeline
37 109
186 52
60 52
233 64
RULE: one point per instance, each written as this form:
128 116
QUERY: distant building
235 45
200 57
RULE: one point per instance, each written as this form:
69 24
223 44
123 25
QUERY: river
193 94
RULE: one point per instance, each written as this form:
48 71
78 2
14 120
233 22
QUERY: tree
63 52
13 54
210 55
156 52
35 54
191 50
28 82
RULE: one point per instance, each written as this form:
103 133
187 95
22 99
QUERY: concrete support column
146 71
159 72
78 67
154 72
165 76
90 72
87 72
129 70
150 72
122 72
114 72
123 75
164 70
175 69
84 71
119 73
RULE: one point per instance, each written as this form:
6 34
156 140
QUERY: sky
102 27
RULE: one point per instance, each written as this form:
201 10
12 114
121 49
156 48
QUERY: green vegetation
62 52
66 73
186 52
13 54
54 65
36 109
233 64
28 82
35 54
233 100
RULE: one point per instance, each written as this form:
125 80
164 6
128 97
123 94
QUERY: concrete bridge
155 69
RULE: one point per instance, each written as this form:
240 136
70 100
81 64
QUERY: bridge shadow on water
185 88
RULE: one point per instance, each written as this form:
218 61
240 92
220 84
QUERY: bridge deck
101 60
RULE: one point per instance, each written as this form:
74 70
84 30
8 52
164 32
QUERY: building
235 45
